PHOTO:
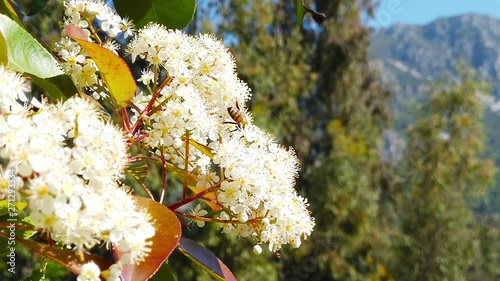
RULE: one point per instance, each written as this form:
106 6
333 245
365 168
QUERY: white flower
89 272
258 175
12 87
127 27
115 272
147 77
263 175
82 12
10 184
74 158
199 213
257 249
86 14
444 136
207 180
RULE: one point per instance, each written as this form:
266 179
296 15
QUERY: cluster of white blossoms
13 87
83 14
71 160
257 184
196 100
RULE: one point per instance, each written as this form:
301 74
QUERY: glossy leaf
67 258
175 14
4 58
206 259
203 148
167 235
113 70
25 53
25 233
57 87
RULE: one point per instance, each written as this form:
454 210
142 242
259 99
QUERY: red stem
252 221
125 119
194 197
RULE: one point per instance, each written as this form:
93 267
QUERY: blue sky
425 11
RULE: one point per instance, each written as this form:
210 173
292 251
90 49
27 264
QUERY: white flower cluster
71 160
12 86
259 185
84 13
256 187
196 100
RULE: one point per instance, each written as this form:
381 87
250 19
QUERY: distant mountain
410 56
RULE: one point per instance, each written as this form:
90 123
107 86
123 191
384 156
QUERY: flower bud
257 249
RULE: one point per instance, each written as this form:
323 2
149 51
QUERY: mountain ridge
424 52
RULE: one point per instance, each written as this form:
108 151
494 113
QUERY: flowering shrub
188 116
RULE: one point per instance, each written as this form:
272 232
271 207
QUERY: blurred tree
346 179
487 231
444 169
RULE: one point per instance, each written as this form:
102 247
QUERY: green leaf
113 69
299 11
175 14
206 259
163 274
26 234
139 170
36 6
57 87
20 205
17 206
4 207
4 57
25 54
180 175
203 148
167 235
23 227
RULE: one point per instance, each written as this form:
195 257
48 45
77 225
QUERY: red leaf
75 32
167 235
